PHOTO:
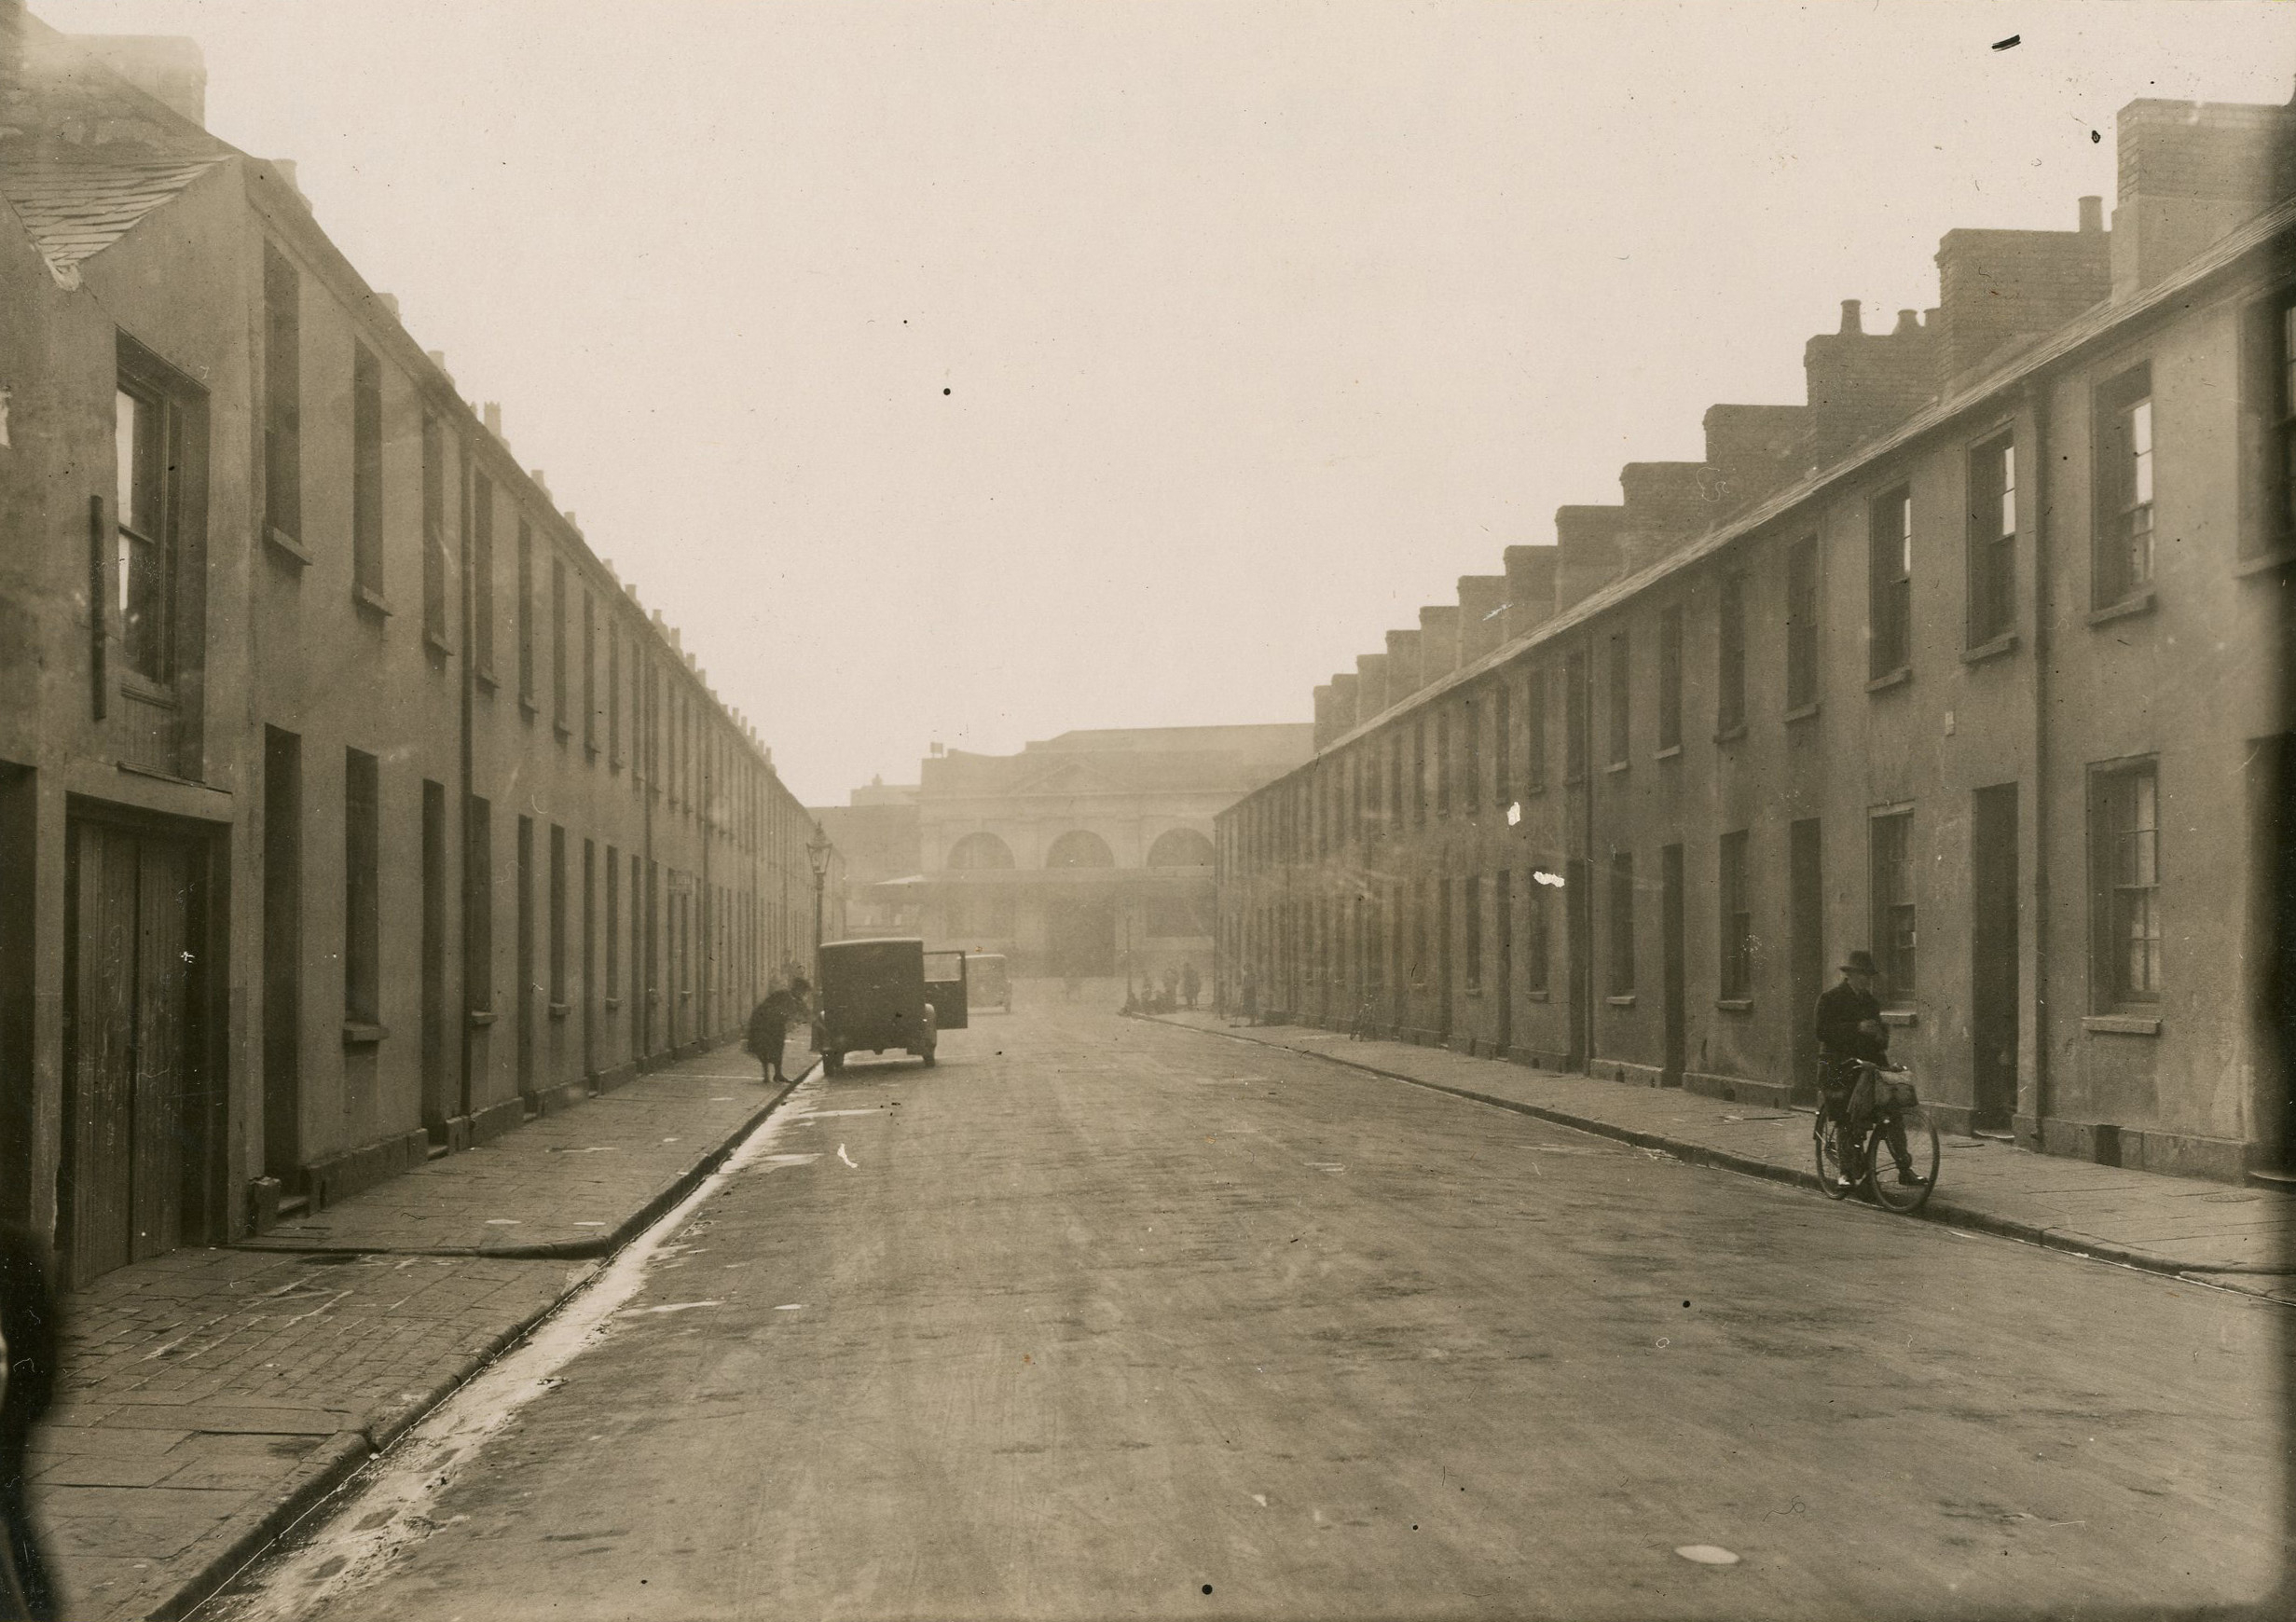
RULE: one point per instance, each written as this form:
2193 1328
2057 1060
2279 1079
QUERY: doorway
1676 1056
283 954
1503 904
1993 960
1080 936
1805 954
1578 926
136 1137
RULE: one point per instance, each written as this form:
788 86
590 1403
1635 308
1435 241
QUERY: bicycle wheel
1825 1141
1921 1149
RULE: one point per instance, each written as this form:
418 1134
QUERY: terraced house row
1976 659
351 809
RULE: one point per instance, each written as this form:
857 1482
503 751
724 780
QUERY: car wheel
834 1062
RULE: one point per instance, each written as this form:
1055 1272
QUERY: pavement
212 1395
1103 1317
2210 1232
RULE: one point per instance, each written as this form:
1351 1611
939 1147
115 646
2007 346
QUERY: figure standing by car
1851 1035
770 1022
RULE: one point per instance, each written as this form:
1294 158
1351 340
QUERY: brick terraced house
1976 659
351 809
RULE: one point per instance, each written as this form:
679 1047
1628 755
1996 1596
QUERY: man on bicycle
1850 1035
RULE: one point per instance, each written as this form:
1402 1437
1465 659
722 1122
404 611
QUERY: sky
965 373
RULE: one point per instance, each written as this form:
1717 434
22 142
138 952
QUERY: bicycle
1896 1102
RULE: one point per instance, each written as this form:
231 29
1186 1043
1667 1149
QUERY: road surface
1104 1318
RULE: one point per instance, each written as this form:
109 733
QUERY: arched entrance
1080 919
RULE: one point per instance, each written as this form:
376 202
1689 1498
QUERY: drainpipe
2036 390
464 764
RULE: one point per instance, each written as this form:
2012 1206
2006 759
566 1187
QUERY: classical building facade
1088 853
351 810
1976 659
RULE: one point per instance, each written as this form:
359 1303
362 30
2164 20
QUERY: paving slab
2163 1224
212 1395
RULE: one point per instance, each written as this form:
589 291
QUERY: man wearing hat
1850 1033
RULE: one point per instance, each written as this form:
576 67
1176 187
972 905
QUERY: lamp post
817 852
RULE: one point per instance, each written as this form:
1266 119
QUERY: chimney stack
1370 686
1482 615
169 69
1529 587
2092 215
492 414
1403 676
1438 643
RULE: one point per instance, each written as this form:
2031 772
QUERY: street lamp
817 852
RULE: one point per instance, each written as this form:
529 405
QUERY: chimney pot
492 412
1908 321
390 301
1852 321
2092 215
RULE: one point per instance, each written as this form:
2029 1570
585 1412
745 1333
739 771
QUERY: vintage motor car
888 996
987 980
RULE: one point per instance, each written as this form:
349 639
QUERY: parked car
888 996
987 980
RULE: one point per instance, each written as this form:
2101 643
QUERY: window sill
1626 1001
2004 644
2280 557
288 546
437 644
160 776
613 1003
590 750
1616 766
528 708
558 1010
482 1017
359 1033
2144 602
1803 713
1534 996
1900 1016
2122 1024
367 597
1897 678
1735 1004
565 732
1671 752
1730 733
485 680
1475 991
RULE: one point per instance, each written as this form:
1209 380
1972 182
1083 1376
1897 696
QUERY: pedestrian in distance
28 1343
1189 983
1171 987
770 1022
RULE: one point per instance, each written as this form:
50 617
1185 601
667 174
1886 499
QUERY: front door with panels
132 1150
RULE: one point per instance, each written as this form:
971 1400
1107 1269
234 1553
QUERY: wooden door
1674 952
1993 960
129 984
1805 950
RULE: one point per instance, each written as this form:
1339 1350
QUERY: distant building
1077 851
876 834
1978 659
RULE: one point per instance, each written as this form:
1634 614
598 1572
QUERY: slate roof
77 204
84 155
